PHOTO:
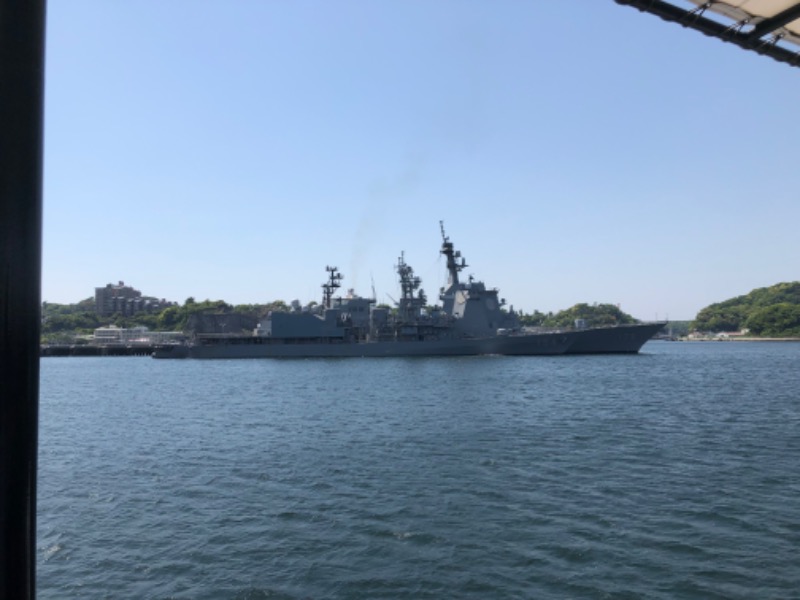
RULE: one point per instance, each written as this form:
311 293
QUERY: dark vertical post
22 25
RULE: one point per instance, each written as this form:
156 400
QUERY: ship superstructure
471 320
475 309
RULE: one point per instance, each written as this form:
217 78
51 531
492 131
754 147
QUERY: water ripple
665 475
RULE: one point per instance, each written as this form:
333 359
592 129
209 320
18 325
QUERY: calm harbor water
671 474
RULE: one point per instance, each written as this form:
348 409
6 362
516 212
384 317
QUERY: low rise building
112 335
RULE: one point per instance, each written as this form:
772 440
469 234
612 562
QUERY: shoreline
741 339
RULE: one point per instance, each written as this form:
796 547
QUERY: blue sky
577 152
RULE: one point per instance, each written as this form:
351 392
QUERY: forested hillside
770 312
61 322
594 315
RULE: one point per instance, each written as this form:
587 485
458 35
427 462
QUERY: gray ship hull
252 347
621 339
617 339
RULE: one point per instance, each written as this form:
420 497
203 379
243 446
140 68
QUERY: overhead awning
768 27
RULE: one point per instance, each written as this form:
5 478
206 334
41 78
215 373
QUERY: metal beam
726 33
22 25
769 25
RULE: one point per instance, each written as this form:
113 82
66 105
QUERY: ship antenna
453 267
409 305
331 285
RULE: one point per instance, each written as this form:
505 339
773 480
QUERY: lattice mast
330 286
454 267
412 298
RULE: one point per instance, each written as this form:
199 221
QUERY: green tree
749 311
169 318
778 320
277 306
594 315
535 319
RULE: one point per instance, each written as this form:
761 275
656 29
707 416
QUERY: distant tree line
62 322
769 312
594 315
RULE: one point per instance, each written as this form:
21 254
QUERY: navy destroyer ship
471 320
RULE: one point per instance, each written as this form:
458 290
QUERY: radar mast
410 304
331 285
454 267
